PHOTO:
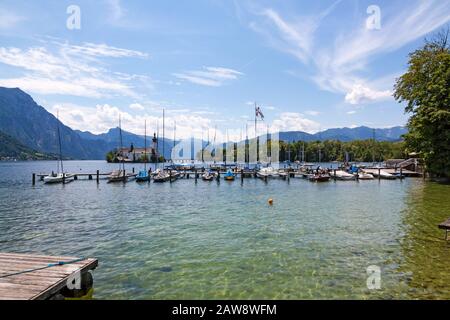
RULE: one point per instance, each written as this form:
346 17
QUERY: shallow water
223 241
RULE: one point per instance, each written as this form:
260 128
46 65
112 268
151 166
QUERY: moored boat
59 178
319 177
229 176
161 176
365 176
142 176
342 175
208 176
117 176
268 172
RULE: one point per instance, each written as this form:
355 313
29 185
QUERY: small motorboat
268 172
117 176
59 178
345 176
229 176
142 176
386 175
365 176
282 174
161 176
319 178
209 176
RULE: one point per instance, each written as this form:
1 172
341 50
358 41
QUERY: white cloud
361 94
137 106
339 66
209 76
291 121
351 112
71 70
102 50
102 117
313 113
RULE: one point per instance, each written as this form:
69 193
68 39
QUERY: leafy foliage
425 87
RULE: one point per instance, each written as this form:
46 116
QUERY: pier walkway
37 277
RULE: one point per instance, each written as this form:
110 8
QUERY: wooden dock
38 277
446 226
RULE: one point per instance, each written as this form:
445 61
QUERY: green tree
425 87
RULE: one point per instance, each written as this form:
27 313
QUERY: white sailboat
268 172
59 177
119 175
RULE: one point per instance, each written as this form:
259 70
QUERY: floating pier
38 277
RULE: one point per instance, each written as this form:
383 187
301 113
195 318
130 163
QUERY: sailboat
119 175
161 175
59 177
143 174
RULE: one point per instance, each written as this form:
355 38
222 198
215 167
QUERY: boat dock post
446 226
242 176
33 179
98 176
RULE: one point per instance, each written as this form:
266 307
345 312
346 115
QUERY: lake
223 241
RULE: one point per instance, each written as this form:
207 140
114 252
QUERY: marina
209 172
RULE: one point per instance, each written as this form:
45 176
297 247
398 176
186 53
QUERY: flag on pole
258 113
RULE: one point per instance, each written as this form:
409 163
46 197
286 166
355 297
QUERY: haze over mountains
33 126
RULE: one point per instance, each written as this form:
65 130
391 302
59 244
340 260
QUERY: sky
309 65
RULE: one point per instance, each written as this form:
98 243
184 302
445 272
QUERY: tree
425 87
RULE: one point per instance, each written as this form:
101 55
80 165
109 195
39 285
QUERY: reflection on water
209 240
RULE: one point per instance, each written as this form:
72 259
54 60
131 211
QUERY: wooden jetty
446 226
38 277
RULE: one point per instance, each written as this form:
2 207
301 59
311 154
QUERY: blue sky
310 65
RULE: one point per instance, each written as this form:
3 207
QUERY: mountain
10 148
347 134
33 127
111 139
36 128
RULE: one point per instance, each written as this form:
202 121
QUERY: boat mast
215 134
145 145
157 143
164 157
121 142
203 159
59 142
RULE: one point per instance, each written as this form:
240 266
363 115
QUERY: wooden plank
445 224
25 256
61 284
38 284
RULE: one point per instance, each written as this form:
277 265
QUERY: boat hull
58 179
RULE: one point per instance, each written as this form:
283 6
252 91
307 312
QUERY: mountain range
29 125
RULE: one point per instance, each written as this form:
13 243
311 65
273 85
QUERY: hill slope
35 127
13 149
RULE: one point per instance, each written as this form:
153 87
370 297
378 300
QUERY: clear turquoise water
223 241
